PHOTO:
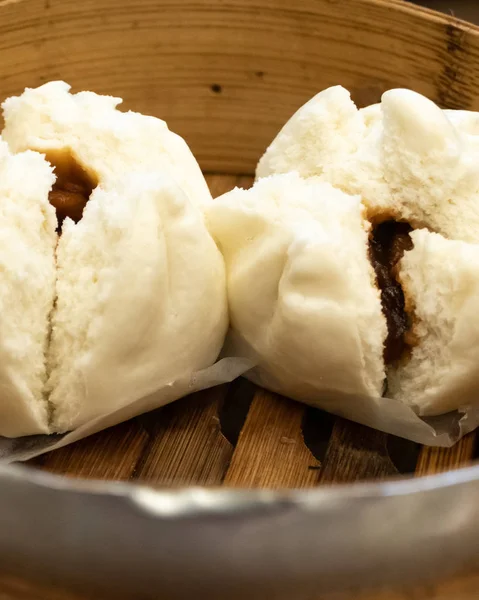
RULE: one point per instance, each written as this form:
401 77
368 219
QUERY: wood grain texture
110 454
270 452
437 460
227 75
356 452
186 445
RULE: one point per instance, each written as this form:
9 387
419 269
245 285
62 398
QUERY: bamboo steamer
226 74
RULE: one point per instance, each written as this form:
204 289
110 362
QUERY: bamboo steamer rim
227 74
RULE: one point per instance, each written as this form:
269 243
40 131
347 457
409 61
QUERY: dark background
465 9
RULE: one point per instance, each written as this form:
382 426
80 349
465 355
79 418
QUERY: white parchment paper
385 414
223 371
390 416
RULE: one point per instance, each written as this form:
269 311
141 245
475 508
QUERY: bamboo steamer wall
226 74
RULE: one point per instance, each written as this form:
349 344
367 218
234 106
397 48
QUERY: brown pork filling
388 242
71 191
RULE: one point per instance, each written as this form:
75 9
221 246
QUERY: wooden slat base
186 446
436 460
110 454
270 452
356 452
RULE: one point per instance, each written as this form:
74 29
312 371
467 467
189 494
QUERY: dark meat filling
387 244
69 200
70 193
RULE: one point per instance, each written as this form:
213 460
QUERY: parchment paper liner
223 371
385 414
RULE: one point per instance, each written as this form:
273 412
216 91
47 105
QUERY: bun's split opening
387 244
72 188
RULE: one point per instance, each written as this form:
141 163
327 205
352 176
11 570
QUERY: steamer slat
436 460
356 452
186 444
271 452
110 454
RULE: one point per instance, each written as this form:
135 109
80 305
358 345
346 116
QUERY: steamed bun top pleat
107 143
406 157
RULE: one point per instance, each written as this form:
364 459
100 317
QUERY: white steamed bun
131 296
301 288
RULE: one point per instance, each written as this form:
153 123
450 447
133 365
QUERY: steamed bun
410 162
306 302
119 292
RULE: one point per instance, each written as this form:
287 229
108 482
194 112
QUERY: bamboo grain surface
247 64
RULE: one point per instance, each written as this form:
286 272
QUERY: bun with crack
353 262
114 288
86 130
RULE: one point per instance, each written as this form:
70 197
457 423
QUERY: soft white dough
441 281
406 157
301 290
27 289
134 295
107 142
330 138
411 161
323 131
141 299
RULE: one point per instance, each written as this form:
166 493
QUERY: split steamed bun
413 163
131 296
